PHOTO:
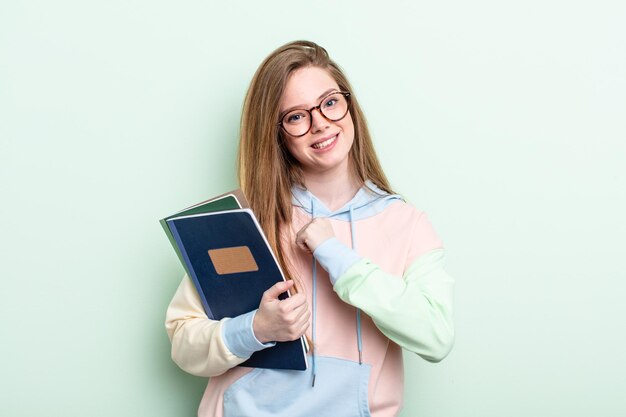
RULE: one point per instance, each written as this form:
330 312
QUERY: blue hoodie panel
367 202
341 390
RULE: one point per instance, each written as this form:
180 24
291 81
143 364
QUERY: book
226 254
227 201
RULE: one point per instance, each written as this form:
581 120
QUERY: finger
293 314
303 229
293 302
300 318
297 329
300 236
301 243
303 315
302 330
277 289
305 325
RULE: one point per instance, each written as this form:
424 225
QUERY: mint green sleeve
414 311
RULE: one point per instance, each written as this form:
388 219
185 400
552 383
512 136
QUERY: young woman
308 168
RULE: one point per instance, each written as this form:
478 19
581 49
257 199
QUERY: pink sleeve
424 238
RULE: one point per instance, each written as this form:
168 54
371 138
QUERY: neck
332 188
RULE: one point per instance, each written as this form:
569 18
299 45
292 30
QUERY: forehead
305 85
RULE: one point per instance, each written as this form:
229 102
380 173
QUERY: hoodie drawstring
314 300
358 310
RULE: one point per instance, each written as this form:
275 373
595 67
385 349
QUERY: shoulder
405 216
403 212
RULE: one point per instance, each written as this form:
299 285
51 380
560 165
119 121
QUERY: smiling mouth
325 143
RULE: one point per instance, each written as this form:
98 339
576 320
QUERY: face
325 148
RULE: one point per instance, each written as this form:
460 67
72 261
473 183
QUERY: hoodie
375 288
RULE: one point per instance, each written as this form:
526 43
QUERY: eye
293 118
330 102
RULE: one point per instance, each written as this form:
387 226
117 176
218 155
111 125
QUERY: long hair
266 169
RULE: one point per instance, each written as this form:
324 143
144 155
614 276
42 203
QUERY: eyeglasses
333 107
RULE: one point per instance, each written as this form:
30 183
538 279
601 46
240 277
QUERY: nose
318 121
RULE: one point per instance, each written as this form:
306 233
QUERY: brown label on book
233 260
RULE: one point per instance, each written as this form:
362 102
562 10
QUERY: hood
367 202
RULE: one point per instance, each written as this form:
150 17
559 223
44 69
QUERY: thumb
277 289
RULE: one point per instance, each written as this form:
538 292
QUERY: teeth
324 144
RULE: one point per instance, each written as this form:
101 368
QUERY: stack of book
226 254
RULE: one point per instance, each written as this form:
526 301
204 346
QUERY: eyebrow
302 106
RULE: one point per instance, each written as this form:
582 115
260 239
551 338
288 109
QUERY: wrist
257 329
238 335
335 258
317 243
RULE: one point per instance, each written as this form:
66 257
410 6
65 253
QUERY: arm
415 310
205 347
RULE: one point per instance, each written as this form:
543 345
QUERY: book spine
190 269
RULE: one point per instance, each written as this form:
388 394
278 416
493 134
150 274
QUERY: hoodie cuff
335 258
239 336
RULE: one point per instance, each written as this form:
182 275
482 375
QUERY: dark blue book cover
232 265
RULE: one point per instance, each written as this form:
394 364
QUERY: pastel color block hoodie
381 287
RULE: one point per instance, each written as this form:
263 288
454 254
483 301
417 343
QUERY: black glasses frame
346 94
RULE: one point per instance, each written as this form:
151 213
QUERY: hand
281 320
316 232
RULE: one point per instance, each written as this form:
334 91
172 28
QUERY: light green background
504 121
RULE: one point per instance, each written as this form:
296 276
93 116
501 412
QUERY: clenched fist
281 320
314 233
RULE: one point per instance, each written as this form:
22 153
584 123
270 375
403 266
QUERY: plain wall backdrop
504 121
